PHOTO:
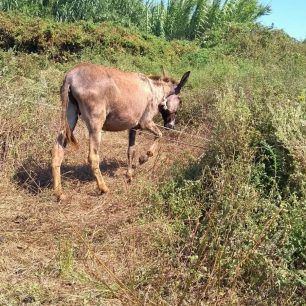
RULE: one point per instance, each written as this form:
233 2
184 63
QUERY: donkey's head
171 102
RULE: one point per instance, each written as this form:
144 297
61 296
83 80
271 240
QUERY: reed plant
174 19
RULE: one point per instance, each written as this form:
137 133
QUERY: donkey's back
118 97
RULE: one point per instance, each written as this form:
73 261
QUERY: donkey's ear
182 82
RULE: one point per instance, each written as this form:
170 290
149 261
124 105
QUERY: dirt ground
89 249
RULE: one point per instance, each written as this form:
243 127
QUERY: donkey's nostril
169 126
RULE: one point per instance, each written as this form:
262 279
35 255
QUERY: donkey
112 100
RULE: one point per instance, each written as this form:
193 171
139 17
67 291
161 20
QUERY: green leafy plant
178 19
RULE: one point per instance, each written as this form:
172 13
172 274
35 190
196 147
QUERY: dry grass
88 249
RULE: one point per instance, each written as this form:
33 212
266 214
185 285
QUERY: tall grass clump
127 11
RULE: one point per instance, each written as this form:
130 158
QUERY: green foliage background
181 19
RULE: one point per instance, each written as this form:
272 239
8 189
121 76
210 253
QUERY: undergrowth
238 215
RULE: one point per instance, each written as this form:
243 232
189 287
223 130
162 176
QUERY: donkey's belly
116 124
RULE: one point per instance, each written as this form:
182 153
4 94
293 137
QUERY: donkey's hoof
143 159
61 197
104 190
129 175
150 153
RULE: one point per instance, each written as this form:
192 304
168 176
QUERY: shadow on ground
35 177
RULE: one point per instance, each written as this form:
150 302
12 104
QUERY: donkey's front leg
151 127
131 154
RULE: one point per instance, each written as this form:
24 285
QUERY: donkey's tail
65 89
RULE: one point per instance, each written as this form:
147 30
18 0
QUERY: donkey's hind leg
57 159
94 159
58 151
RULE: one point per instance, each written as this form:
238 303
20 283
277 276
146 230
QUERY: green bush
238 215
59 40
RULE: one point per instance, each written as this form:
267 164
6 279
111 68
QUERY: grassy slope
228 227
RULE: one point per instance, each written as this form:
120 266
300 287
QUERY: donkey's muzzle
169 125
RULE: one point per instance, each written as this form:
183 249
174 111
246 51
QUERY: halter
165 97
164 103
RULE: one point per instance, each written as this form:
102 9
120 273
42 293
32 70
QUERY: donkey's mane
158 79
